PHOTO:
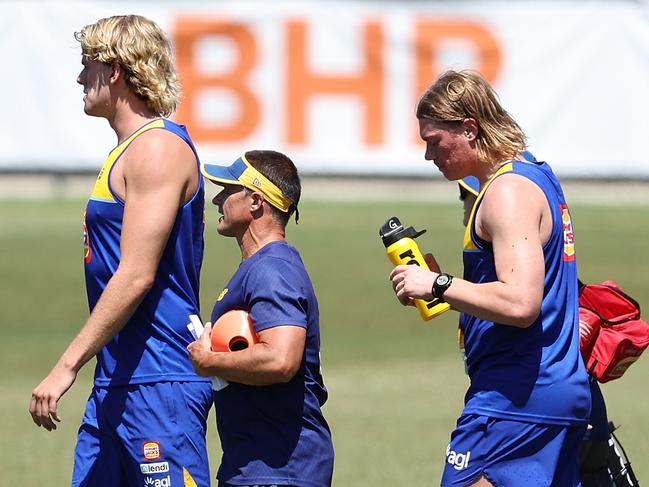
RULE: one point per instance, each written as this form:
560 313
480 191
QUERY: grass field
396 383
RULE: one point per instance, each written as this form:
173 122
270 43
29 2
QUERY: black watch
441 284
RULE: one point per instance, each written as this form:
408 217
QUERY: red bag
611 333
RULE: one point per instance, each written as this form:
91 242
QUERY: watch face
442 280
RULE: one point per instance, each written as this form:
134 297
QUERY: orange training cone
233 331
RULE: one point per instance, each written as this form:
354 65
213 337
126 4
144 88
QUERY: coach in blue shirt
272 430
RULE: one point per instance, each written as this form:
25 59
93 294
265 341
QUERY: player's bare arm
276 358
150 183
514 217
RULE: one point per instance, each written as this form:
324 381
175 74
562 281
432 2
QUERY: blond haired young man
145 421
528 404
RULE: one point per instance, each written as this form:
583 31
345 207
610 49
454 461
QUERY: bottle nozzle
390 226
392 231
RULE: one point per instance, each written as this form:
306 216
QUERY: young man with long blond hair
528 403
145 420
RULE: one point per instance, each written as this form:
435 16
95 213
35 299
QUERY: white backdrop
334 83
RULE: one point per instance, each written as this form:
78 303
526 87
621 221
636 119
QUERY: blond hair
144 52
457 95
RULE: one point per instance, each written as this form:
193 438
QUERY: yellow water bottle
402 249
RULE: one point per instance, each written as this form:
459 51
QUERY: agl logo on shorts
458 460
165 482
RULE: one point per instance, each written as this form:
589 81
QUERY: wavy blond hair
144 52
457 95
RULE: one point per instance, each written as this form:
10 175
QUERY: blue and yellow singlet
151 347
533 374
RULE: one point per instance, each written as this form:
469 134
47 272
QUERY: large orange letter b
189 30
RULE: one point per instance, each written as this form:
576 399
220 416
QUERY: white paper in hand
195 327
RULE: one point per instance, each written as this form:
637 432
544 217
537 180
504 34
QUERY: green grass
396 383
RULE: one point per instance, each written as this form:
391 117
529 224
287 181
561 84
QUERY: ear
116 72
470 128
257 201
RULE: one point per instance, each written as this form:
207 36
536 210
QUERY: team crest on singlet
568 235
87 250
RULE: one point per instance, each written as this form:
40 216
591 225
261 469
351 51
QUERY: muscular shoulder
161 149
512 190
511 199
160 157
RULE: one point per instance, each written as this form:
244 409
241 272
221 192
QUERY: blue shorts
144 435
512 453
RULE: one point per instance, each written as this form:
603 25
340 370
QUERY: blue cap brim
471 184
224 174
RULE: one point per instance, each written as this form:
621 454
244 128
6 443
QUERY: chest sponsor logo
459 461
151 468
568 235
165 482
151 450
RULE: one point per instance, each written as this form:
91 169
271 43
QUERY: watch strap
441 285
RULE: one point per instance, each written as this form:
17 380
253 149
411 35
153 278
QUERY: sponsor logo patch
151 468
87 249
459 461
151 450
222 295
165 482
568 235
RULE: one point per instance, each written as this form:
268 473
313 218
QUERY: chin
446 175
89 111
224 232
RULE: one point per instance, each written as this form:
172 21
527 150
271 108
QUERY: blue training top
151 347
275 434
532 374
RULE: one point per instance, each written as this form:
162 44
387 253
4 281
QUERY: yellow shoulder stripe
101 191
468 243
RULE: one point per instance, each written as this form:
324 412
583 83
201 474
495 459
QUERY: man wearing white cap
269 417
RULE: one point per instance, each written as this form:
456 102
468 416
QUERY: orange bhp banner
301 84
334 84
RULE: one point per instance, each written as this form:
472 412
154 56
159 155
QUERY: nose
219 199
430 153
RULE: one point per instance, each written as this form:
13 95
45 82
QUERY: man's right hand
46 395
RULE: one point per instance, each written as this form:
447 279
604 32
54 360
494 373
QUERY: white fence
334 83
